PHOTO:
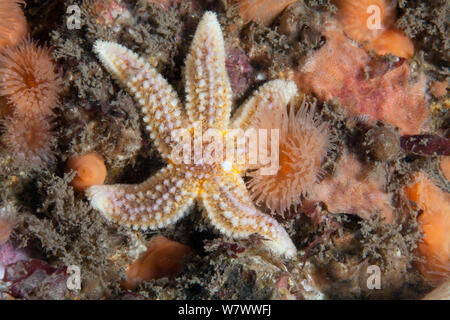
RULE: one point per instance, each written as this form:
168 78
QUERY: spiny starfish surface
166 196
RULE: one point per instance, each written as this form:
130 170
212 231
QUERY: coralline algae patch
337 71
354 189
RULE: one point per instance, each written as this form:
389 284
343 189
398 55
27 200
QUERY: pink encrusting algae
354 189
337 71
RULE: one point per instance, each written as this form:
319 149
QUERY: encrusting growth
166 196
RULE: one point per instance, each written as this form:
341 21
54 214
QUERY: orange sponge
435 221
90 169
163 258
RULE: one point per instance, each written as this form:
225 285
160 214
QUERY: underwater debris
90 170
303 143
163 258
13 25
426 145
222 191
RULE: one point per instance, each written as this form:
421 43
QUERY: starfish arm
208 91
273 94
159 103
157 202
230 210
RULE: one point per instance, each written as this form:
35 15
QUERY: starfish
166 196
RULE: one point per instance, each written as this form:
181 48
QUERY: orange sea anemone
90 170
435 223
359 18
163 258
29 140
394 42
28 79
303 143
264 11
13 25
